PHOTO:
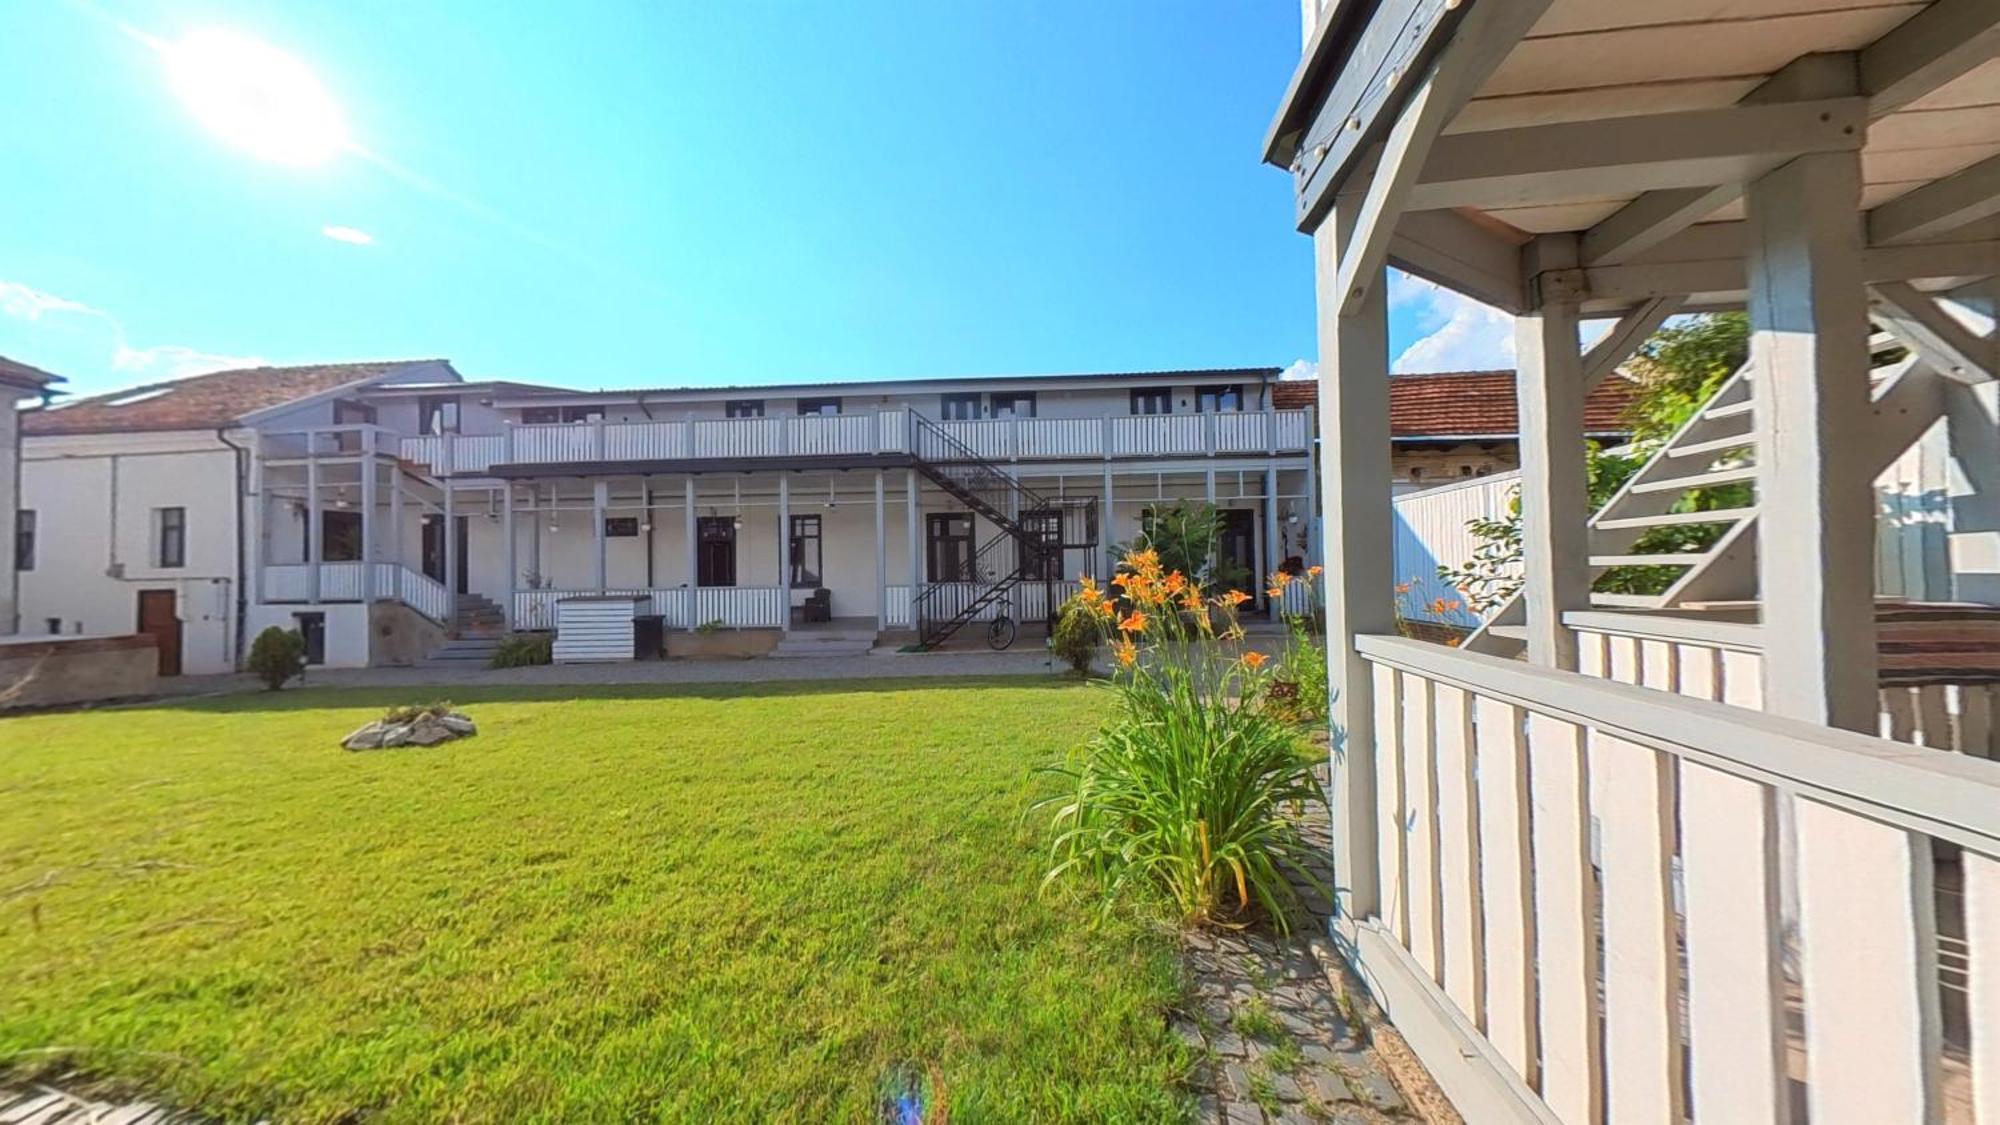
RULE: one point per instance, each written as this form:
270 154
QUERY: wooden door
715 558
158 620
1236 552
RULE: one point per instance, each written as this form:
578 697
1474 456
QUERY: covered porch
1666 865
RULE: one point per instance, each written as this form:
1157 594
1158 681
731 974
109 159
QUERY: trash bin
649 637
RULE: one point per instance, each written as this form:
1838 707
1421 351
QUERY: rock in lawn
459 725
367 738
426 729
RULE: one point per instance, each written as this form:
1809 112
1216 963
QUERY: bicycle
1000 632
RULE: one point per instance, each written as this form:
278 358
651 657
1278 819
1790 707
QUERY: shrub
1078 632
709 628
411 712
522 650
1183 789
1299 689
277 656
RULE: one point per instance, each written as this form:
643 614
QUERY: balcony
885 433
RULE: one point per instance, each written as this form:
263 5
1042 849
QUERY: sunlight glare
256 97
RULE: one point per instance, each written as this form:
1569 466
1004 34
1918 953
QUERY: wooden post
368 471
785 550
1816 503
315 528
1105 520
600 503
513 575
396 519
1354 406
450 559
1555 494
916 544
881 553
1273 554
260 518
693 553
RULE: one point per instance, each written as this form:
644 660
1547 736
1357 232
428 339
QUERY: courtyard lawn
725 903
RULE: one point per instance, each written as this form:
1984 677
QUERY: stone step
790 648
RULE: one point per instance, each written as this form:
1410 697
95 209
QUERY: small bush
411 712
1078 632
709 628
277 656
524 649
1299 689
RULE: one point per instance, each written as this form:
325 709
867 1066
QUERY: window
55 626
743 408
1214 400
24 539
959 408
1043 559
621 527
312 630
437 414
805 551
1014 404
340 535
1153 400
558 415
949 539
347 413
819 406
170 534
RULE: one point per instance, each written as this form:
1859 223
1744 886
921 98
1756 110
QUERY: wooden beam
1928 50
1611 156
1625 337
1943 342
1939 207
1639 281
1555 507
1455 251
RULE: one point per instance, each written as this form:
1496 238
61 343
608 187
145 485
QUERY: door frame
169 643
703 541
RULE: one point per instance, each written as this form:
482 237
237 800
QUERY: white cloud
159 361
350 235
1458 333
1301 369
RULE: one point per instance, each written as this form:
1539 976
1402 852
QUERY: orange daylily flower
1276 591
1314 570
1176 582
1136 623
1280 579
1254 659
1235 597
1128 653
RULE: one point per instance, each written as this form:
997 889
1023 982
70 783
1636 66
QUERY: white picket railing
1576 892
740 607
887 431
1028 601
342 582
898 609
535 610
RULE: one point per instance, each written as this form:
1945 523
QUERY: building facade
380 508
18 383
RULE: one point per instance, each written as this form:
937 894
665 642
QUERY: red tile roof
201 402
1467 404
16 374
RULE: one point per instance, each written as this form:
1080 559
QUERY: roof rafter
1940 206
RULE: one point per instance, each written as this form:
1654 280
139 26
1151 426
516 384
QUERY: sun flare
256 97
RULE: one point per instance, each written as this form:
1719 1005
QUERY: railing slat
1700 672
1420 816
1899 715
1565 919
1975 720
1458 853
1982 935
1729 865
1635 817
1504 866
1656 665
1868 961
1743 679
1933 717
1389 800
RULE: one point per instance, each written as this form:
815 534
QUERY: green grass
719 904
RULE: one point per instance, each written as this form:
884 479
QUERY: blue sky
619 194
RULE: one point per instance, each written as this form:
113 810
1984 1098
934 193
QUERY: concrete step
792 648
466 649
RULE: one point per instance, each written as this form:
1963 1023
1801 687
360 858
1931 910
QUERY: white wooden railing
1676 654
536 609
1000 439
1641 971
342 582
897 612
740 607
737 607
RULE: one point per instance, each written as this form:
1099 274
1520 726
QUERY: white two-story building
384 507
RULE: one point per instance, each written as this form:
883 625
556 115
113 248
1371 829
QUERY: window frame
806 529
743 408
438 414
950 406
1143 396
937 532
27 539
816 407
560 415
170 538
1209 400
621 527
1012 401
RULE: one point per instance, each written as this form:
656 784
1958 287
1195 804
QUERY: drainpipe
242 599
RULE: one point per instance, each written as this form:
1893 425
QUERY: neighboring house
251 498
1458 424
139 501
18 383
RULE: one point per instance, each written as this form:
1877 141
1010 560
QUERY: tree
1187 536
277 656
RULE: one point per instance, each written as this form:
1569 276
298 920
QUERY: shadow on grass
310 696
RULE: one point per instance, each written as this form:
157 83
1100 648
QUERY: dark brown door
1236 554
158 621
715 559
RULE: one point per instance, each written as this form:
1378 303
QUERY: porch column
881 554
513 575
693 552
916 544
600 500
1972 421
1273 554
1354 406
369 468
450 537
1555 494
396 519
785 551
1104 525
314 525
260 519
1815 499
535 529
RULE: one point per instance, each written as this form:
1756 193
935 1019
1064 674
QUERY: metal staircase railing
1033 526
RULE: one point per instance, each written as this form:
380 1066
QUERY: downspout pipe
242 597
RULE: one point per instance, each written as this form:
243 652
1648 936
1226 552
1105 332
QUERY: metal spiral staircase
1032 529
1716 447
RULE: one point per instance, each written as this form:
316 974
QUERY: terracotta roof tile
1467 404
201 402
16 374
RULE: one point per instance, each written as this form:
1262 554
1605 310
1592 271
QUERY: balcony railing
342 582
736 607
883 432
